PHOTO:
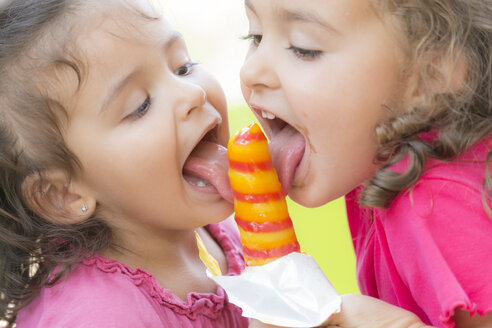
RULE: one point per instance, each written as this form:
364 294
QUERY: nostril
194 100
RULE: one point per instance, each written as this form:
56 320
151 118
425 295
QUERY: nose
192 98
258 69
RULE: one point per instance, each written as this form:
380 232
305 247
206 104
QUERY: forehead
93 34
335 10
123 29
123 19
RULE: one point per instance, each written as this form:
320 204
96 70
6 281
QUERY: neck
155 252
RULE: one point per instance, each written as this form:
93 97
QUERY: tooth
267 115
201 184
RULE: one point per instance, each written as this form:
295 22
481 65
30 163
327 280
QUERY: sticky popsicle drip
207 258
264 223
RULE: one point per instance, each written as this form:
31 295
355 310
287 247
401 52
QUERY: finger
333 321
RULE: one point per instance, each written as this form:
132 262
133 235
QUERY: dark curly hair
37 53
457 30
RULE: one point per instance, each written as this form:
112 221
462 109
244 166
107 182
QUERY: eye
305 54
142 110
255 39
186 69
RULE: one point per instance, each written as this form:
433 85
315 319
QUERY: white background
212 30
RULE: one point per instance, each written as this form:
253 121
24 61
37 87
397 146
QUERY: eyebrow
116 89
298 15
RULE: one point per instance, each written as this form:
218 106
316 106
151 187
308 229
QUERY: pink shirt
105 293
431 251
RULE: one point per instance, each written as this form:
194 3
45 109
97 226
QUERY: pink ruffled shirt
431 251
104 293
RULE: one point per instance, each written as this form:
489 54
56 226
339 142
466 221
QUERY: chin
306 198
313 195
222 212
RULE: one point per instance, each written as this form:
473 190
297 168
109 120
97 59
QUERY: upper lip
210 132
271 127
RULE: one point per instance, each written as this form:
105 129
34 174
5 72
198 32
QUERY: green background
322 232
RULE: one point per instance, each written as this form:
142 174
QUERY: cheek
307 95
144 146
214 88
139 170
216 97
215 93
341 92
246 91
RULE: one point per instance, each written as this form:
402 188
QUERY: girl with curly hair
387 102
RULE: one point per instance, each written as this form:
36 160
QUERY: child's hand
368 312
360 311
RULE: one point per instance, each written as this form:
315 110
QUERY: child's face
327 70
140 112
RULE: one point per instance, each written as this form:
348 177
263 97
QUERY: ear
54 198
437 73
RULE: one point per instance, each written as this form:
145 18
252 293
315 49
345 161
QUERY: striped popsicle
264 223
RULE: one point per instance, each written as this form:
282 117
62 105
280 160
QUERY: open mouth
287 145
206 167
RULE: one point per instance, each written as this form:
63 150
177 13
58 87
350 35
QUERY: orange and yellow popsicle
261 211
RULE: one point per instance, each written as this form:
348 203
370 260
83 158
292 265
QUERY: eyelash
255 39
305 53
143 109
188 66
301 53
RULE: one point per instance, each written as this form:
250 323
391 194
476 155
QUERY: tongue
209 162
287 148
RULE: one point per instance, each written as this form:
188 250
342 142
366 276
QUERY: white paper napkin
291 291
